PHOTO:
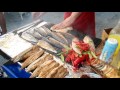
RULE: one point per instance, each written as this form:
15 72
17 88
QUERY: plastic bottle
115 33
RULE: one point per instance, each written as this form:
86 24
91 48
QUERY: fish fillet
39 68
46 45
32 58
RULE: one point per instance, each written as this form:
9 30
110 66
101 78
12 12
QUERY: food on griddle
64 40
44 72
63 73
55 42
32 58
39 61
41 31
28 37
46 46
34 34
58 72
28 54
40 67
53 72
107 70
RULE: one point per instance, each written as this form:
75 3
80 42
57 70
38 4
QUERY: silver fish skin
34 34
28 37
54 42
58 36
41 31
46 45
64 40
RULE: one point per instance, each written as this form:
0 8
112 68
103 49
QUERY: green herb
93 54
67 48
59 53
62 58
90 56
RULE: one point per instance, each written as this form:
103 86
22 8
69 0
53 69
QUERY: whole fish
64 40
32 58
34 34
47 30
59 37
46 45
69 37
39 68
41 31
54 42
28 37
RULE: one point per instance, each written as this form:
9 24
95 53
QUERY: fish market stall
37 51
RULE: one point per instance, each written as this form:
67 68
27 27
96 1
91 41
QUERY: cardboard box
105 33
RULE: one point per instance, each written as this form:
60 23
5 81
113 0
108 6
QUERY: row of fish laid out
41 64
43 34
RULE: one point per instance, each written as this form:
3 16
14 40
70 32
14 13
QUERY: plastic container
115 33
14 71
108 50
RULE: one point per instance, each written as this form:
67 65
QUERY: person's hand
66 23
37 15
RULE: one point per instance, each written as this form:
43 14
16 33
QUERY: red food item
68 59
79 60
83 46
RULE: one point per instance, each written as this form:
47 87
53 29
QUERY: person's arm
37 15
75 15
67 22
3 23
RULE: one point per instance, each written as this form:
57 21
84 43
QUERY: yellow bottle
115 33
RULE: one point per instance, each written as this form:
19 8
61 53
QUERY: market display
42 64
48 53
